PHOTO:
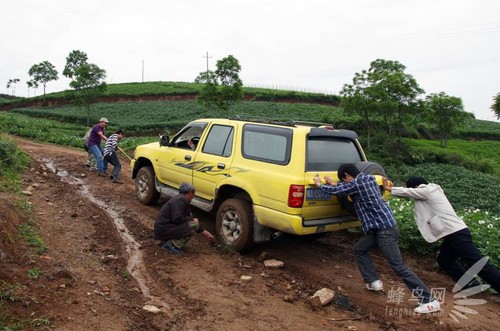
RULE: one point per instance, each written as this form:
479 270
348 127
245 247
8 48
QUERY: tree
447 112
495 107
223 87
385 92
12 85
88 82
31 85
74 60
43 73
86 78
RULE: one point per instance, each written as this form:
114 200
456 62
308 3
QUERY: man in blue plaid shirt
380 231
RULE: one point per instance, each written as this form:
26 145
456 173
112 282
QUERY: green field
482 153
156 116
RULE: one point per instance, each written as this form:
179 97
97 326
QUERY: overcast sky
451 46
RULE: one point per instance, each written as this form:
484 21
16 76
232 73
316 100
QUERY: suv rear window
267 143
327 153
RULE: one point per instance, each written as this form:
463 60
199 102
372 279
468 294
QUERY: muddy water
135 263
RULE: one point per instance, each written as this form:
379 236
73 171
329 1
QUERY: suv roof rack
293 123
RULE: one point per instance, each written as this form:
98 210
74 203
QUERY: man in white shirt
436 219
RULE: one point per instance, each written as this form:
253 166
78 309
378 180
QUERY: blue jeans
387 241
97 151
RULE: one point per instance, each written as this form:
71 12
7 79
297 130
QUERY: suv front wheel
234 224
145 186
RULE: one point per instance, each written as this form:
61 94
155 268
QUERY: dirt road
103 269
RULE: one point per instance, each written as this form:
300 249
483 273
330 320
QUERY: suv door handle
221 166
187 157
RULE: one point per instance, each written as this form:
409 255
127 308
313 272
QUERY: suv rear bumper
294 224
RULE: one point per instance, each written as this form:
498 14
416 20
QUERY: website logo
462 303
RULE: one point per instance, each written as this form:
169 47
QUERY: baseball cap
104 119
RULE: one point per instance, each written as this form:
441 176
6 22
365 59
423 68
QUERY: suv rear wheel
234 224
370 168
145 186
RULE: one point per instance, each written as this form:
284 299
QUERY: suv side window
219 140
327 154
189 134
267 143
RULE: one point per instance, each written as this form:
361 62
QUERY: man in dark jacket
175 225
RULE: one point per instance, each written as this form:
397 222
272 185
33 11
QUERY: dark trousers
459 245
387 241
115 161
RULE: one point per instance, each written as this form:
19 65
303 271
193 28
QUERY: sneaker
169 247
376 285
430 307
102 174
117 181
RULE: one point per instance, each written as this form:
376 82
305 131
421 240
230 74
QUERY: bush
12 162
11 158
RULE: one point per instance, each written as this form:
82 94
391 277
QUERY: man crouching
175 224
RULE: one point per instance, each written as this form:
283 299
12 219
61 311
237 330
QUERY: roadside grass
12 163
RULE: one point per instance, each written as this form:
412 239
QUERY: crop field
482 153
158 116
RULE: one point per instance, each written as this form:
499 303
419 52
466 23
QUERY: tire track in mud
135 263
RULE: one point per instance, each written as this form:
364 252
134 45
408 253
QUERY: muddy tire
145 186
234 224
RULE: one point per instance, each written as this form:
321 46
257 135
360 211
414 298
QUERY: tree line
384 96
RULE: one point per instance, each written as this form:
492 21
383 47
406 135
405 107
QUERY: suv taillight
296 196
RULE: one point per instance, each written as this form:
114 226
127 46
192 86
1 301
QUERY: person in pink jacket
436 219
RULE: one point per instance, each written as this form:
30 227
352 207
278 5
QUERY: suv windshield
327 154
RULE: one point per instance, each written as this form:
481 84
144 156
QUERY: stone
272 263
325 296
152 309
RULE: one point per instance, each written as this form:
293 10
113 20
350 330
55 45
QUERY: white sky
308 45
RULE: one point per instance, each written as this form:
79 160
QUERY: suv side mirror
164 140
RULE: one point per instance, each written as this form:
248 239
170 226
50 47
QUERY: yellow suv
256 176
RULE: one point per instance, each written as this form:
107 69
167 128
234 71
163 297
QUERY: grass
12 163
34 273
